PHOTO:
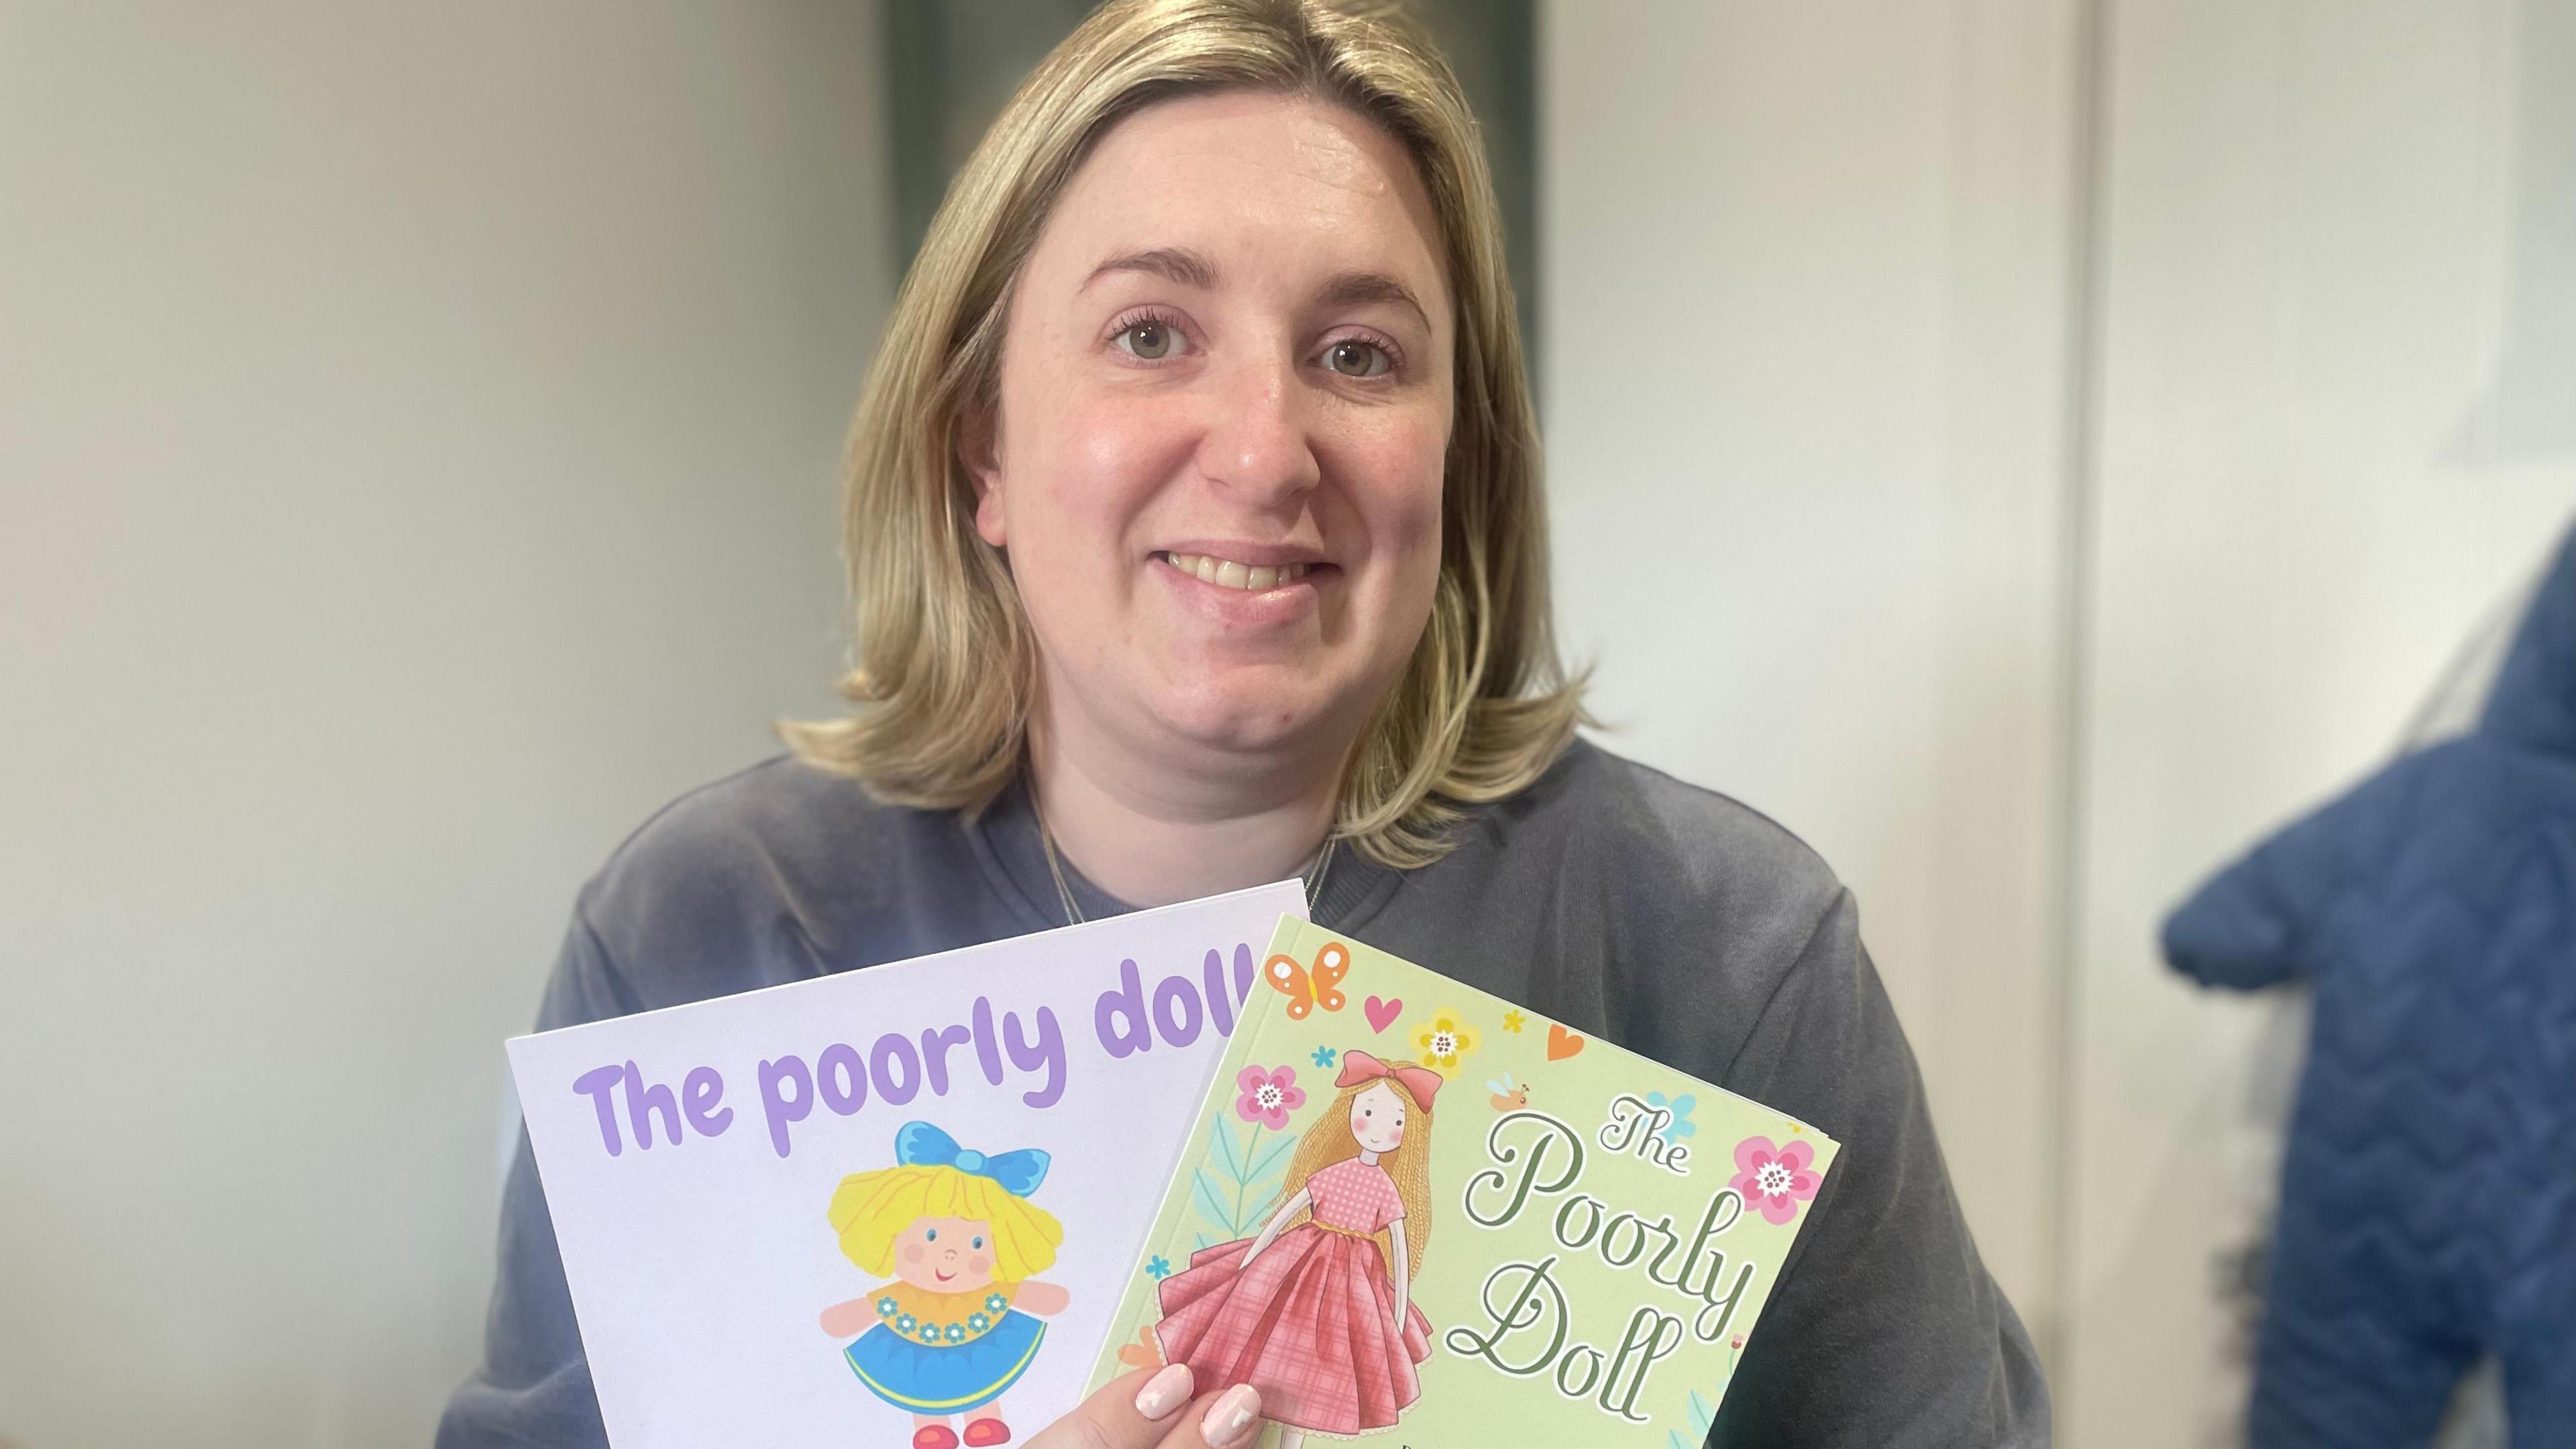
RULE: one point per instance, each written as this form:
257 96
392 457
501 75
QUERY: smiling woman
1245 385
1224 285
1195 533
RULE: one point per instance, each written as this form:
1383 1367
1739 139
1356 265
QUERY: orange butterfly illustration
1309 987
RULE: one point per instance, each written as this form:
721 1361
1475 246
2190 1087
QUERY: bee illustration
1509 1096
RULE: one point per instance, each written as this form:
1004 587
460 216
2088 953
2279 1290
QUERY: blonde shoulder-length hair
944 667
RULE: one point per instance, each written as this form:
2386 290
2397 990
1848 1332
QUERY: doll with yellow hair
1317 1312
954 1230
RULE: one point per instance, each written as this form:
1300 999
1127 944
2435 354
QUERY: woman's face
1377 1118
1225 404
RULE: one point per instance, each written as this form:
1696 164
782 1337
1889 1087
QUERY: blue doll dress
944 1353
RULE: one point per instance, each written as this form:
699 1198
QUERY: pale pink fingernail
1231 1418
1165 1391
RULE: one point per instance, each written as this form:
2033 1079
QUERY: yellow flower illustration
1512 1021
1443 1040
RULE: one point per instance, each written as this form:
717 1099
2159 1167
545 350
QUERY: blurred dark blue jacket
2428 1200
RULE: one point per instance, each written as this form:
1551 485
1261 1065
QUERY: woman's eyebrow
1172 264
1188 268
1353 288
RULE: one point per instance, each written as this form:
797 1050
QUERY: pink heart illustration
1381 1014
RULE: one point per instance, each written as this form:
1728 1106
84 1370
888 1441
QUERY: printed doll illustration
956 1233
1317 1311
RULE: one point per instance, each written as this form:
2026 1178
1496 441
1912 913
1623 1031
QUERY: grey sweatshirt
1608 896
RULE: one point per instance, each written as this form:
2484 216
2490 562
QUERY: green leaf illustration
1210 1199
1235 1189
1271 1158
1703 1415
1227 1152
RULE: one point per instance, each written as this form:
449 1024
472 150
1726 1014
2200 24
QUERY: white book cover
845 1210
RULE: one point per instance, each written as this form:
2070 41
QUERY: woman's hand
1157 1412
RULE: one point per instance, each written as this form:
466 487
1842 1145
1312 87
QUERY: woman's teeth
1233 575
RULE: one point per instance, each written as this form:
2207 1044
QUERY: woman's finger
1230 1420
1132 1411
1156 1410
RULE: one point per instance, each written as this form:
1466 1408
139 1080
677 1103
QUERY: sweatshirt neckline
1004 838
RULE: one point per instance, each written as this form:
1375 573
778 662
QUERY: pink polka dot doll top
1354 1196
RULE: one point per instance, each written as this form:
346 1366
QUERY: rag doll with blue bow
958 1324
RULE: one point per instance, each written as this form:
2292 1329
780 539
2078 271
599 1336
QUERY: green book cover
1412 1209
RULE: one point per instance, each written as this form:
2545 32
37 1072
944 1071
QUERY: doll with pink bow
1316 1311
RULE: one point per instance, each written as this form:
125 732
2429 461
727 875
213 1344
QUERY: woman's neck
1151 834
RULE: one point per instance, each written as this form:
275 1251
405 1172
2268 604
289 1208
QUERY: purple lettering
988 1048
1220 1009
892 1050
643 1101
1177 1011
1242 973
1047 1051
700 1091
936 1043
841 1078
596 1084
779 1108
1124 1002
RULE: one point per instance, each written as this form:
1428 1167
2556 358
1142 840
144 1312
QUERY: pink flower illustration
1774 1180
1269 1096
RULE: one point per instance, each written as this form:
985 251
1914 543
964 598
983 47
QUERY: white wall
1807 286
418 436
2031 591
2337 425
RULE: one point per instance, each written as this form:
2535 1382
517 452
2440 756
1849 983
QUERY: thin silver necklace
1312 875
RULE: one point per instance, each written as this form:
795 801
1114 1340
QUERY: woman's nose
1258 443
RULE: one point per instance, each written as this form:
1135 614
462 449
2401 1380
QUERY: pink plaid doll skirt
1312 1326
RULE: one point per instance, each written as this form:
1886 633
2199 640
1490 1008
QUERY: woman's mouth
1225 573
942 1277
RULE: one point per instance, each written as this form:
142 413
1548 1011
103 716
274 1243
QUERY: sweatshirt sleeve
1885 1329
533 1386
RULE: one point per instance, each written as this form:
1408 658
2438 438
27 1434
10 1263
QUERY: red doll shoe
934 1436
981 1432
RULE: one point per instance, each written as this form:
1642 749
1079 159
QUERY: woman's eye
1354 358
979 1243
931 1236
1152 341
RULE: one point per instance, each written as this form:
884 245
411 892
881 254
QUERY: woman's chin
1259 719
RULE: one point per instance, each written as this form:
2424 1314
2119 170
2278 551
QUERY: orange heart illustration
1561 1043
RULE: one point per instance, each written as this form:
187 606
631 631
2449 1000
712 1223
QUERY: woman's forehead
1248 188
